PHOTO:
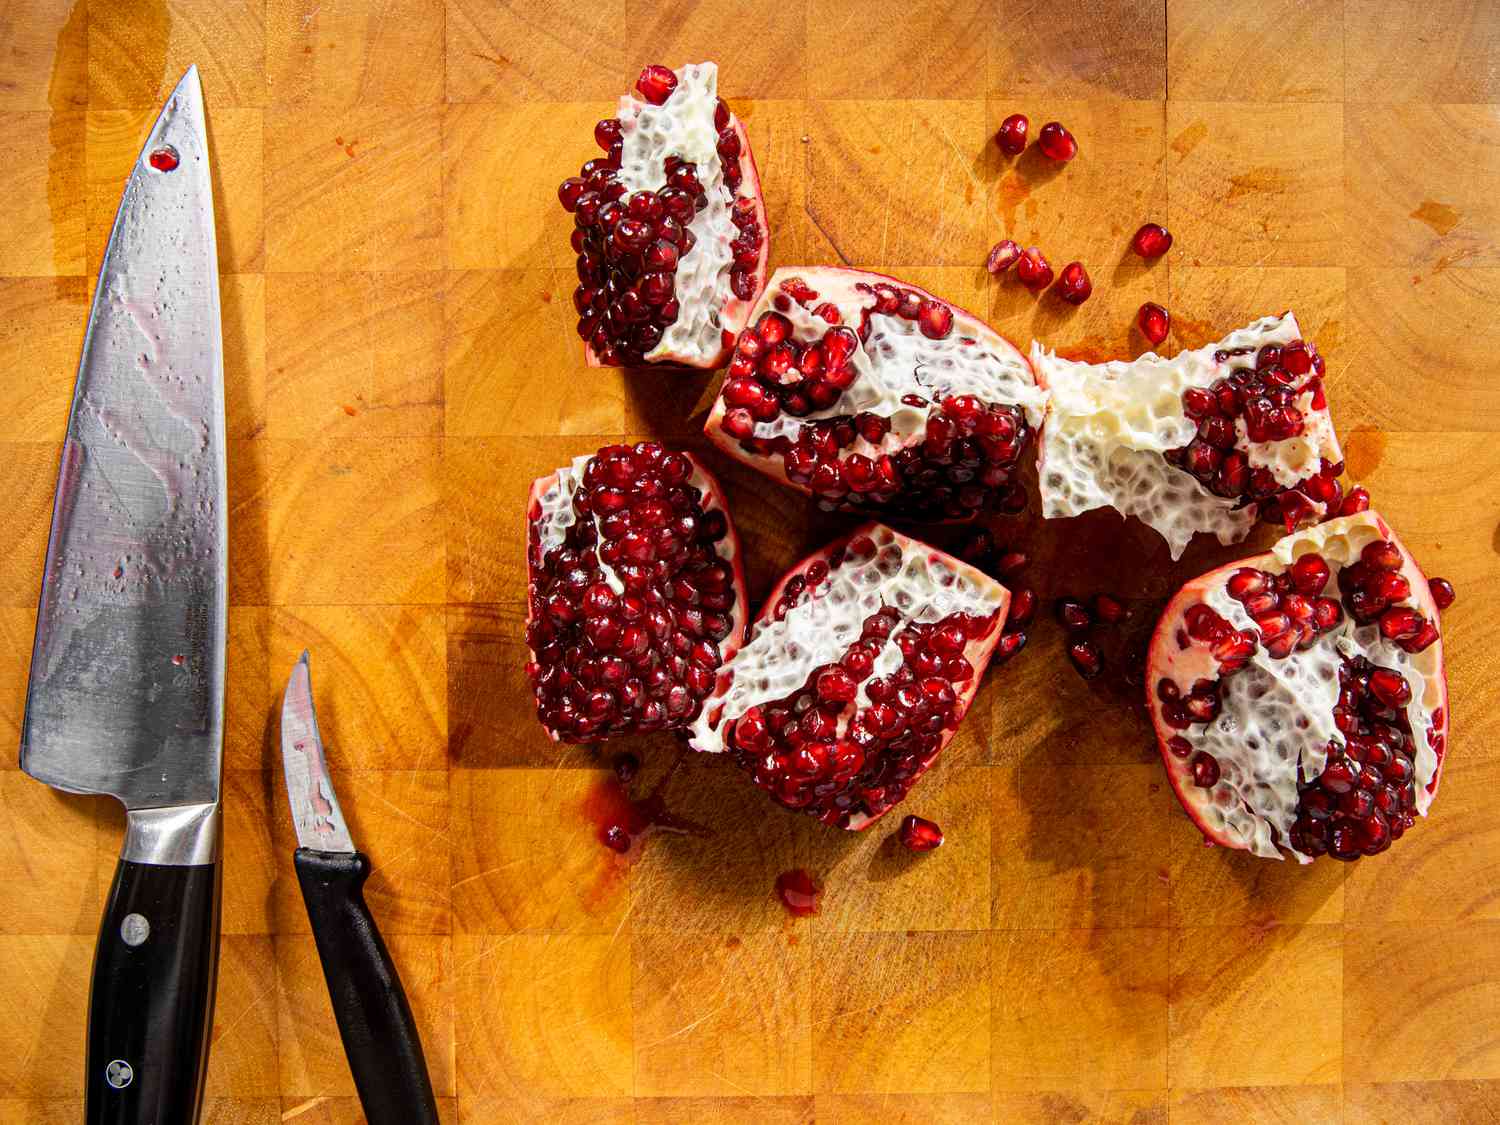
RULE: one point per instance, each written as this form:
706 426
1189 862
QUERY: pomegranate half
635 592
670 226
876 396
1208 440
1299 696
855 675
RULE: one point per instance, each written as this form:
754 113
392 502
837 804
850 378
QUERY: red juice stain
798 893
620 822
164 159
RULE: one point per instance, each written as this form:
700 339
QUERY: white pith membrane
921 582
683 125
555 494
1108 426
895 361
1287 703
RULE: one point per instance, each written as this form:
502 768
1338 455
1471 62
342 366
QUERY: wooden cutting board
401 363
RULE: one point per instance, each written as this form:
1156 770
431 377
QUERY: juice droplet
164 159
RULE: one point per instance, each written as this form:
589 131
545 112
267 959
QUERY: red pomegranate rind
1209 440
670 227
1299 697
855 675
635 593
876 396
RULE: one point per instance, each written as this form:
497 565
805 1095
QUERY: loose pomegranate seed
1002 256
656 83
1151 241
1442 592
1011 136
920 835
798 893
1011 563
616 839
1073 615
1155 322
1022 609
1073 284
626 767
1109 610
1033 269
1085 658
164 159
1056 143
1008 645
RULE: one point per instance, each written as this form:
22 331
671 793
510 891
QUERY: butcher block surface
400 363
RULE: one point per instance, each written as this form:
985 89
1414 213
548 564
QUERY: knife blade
126 693
375 1022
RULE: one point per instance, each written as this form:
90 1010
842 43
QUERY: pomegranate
919 835
1002 256
635 592
1073 284
1155 322
855 675
1011 136
1034 270
1056 142
1299 696
1151 241
876 396
1205 441
670 228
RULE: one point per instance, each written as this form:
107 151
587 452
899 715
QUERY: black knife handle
380 1036
151 1003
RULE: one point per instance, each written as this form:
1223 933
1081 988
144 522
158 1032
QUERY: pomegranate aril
1002 256
935 320
1152 240
1022 609
1086 658
1073 284
1033 269
1011 136
1073 616
1205 770
656 83
920 835
1155 322
1310 574
1357 500
1056 142
1442 592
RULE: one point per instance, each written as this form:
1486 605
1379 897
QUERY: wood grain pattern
400 365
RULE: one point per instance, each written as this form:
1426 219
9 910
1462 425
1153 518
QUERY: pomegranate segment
1299 696
855 675
635 592
1208 440
670 228
876 396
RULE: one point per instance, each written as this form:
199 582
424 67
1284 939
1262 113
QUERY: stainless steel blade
127 671
315 806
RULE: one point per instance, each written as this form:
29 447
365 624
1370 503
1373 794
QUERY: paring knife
375 1022
126 696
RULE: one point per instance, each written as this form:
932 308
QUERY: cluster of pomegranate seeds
1376 592
638 653
1289 609
1366 796
1155 322
1011 136
1002 256
1073 284
1033 269
980 550
1264 398
966 461
1056 142
1151 241
629 247
1077 620
821 751
920 835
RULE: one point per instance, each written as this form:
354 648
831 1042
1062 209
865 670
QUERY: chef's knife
375 1022
126 696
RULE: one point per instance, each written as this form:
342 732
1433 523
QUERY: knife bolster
175 836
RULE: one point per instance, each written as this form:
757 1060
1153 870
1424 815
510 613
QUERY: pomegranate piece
1002 256
1151 241
1443 594
856 675
1291 717
1073 284
1056 142
876 396
669 226
1011 136
1209 440
1034 270
1154 321
635 592
920 835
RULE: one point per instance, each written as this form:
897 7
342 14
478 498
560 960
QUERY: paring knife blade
375 1022
126 695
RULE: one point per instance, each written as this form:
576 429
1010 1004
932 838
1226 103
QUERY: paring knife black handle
380 1037
152 1000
